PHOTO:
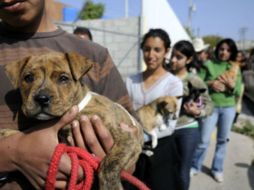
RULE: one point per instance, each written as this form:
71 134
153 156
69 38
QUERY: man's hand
92 135
31 152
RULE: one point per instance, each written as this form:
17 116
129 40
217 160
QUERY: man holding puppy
26 29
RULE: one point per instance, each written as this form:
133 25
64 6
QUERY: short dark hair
232 47
157 32
83 30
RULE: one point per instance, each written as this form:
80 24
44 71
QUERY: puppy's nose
43 100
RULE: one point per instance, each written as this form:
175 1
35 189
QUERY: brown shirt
103 78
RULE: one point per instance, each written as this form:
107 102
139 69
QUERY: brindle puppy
50 84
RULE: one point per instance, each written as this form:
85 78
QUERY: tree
189 32
212 40
91 10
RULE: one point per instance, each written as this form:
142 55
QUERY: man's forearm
7 148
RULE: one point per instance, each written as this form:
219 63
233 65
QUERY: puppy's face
194 93
49 83
167 107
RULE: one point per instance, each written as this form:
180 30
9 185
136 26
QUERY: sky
227 18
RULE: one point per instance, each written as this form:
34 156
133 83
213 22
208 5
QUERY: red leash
89 164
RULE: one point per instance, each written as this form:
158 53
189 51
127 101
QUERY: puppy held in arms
158 115
194 95
50 84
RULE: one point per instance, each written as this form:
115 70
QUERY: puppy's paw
154 143
7 132
163 127
148 152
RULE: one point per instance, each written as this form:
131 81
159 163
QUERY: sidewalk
238 175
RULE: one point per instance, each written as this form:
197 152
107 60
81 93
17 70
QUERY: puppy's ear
161 107
178 97
202 90
13 70
79 65
189 85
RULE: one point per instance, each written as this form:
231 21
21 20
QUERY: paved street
239 173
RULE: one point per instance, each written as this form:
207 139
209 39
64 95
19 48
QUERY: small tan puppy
230 74
50 84
157 115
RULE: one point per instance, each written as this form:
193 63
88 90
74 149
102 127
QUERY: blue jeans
222 117
186 140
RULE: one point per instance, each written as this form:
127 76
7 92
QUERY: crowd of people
196 63
26 29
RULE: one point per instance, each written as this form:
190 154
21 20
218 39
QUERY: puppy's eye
63 79
29 78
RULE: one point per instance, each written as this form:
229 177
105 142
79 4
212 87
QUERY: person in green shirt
223 91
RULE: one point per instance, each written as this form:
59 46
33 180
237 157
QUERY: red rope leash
89 164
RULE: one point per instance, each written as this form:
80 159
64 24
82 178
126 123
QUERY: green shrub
247 129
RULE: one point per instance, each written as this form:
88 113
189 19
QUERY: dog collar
84 101
88 97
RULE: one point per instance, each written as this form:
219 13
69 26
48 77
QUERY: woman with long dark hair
223 90
186 134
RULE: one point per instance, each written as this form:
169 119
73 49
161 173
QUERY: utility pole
126 8
242 32
191 9
198 32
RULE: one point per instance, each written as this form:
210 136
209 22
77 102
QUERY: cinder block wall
120 36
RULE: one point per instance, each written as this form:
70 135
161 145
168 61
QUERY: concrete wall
120 36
